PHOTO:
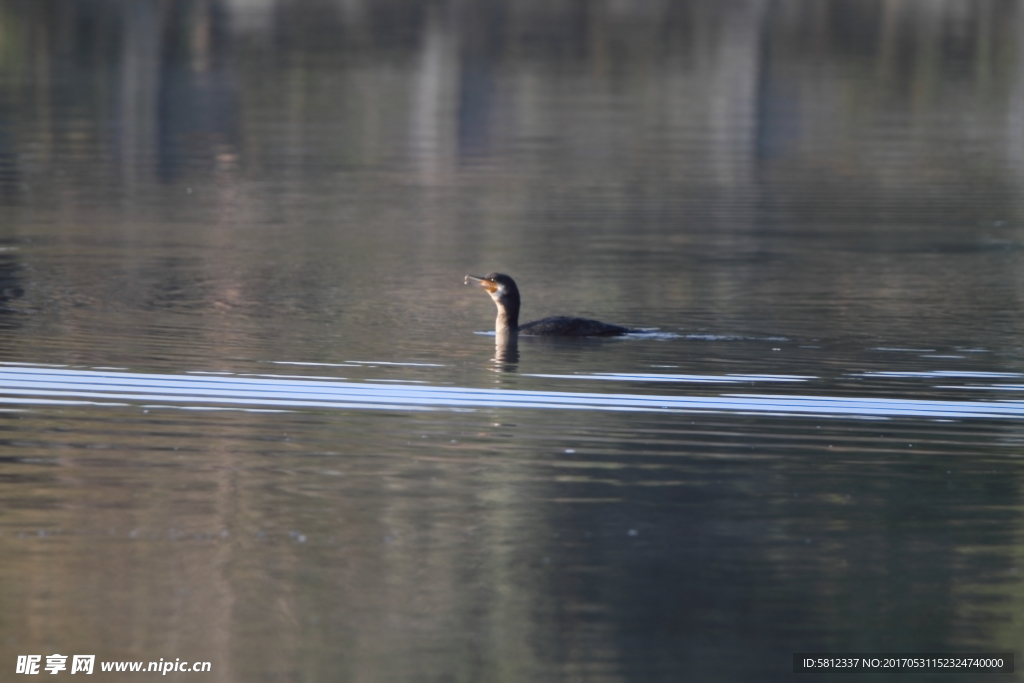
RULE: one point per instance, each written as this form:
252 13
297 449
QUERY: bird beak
489 285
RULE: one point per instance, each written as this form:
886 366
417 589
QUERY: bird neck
507 322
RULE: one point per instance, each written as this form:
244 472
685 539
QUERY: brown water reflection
824 190
804 150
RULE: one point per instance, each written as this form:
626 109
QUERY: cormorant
503 290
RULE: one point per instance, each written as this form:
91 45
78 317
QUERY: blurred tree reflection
807 80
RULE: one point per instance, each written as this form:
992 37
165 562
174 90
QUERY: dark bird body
564 326
505 293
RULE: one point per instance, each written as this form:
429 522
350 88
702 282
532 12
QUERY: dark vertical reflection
197 99
12 286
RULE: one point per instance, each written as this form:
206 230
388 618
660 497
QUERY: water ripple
48 385
696 379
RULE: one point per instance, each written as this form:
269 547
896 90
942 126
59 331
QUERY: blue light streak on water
694 379
47 385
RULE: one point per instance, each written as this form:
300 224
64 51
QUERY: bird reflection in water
505 293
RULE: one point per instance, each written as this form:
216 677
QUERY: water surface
251 416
